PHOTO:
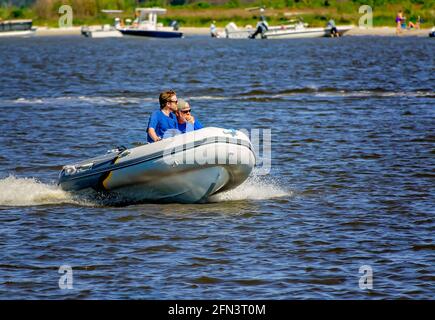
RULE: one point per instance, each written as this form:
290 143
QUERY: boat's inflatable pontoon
187 168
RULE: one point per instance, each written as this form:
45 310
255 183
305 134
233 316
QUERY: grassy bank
200 14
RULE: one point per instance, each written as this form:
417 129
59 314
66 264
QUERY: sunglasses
173 101
186 111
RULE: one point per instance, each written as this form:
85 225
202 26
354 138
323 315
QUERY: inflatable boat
185 168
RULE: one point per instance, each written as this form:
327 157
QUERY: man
399 20
262 27
213 30
333 28
163 120
186 122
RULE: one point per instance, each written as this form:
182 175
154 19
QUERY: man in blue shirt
164 119
186 122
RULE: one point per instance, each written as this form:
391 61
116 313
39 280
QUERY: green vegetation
201 13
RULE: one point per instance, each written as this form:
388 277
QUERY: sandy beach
195 31
386 31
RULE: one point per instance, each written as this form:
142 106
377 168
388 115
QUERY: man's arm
152 125
153 134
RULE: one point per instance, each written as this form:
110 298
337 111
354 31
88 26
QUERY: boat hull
187 168
151 33
184 187
304 33
100 33
24 33
295 34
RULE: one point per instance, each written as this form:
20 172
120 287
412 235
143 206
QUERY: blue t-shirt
161 123
187 126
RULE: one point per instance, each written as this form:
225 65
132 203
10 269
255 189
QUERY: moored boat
145 25
291 31
12 28
303 32
105 31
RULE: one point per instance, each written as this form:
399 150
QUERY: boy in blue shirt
186 122
164 119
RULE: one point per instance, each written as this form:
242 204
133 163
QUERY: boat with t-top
145 25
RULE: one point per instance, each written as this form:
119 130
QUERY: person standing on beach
164 119
213 30
399 19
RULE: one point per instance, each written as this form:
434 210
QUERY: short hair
165 96
182 104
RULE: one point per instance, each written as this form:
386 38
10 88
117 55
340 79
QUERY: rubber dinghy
186 168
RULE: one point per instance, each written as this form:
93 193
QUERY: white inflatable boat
186 168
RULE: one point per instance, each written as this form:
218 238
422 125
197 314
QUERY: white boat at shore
16 28
301 31
105 31
291 31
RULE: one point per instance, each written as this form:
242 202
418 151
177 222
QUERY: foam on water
371 93
209 98
30 192
256 187
96 100
309 90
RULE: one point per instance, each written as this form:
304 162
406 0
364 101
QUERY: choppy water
351 183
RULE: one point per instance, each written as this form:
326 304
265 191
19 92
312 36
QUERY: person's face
185 113
172 103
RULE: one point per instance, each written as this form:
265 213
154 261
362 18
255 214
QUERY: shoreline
204 31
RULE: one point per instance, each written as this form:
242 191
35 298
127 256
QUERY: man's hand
191 119
153 135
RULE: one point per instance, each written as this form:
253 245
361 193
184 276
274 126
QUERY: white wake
30 192
256 187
